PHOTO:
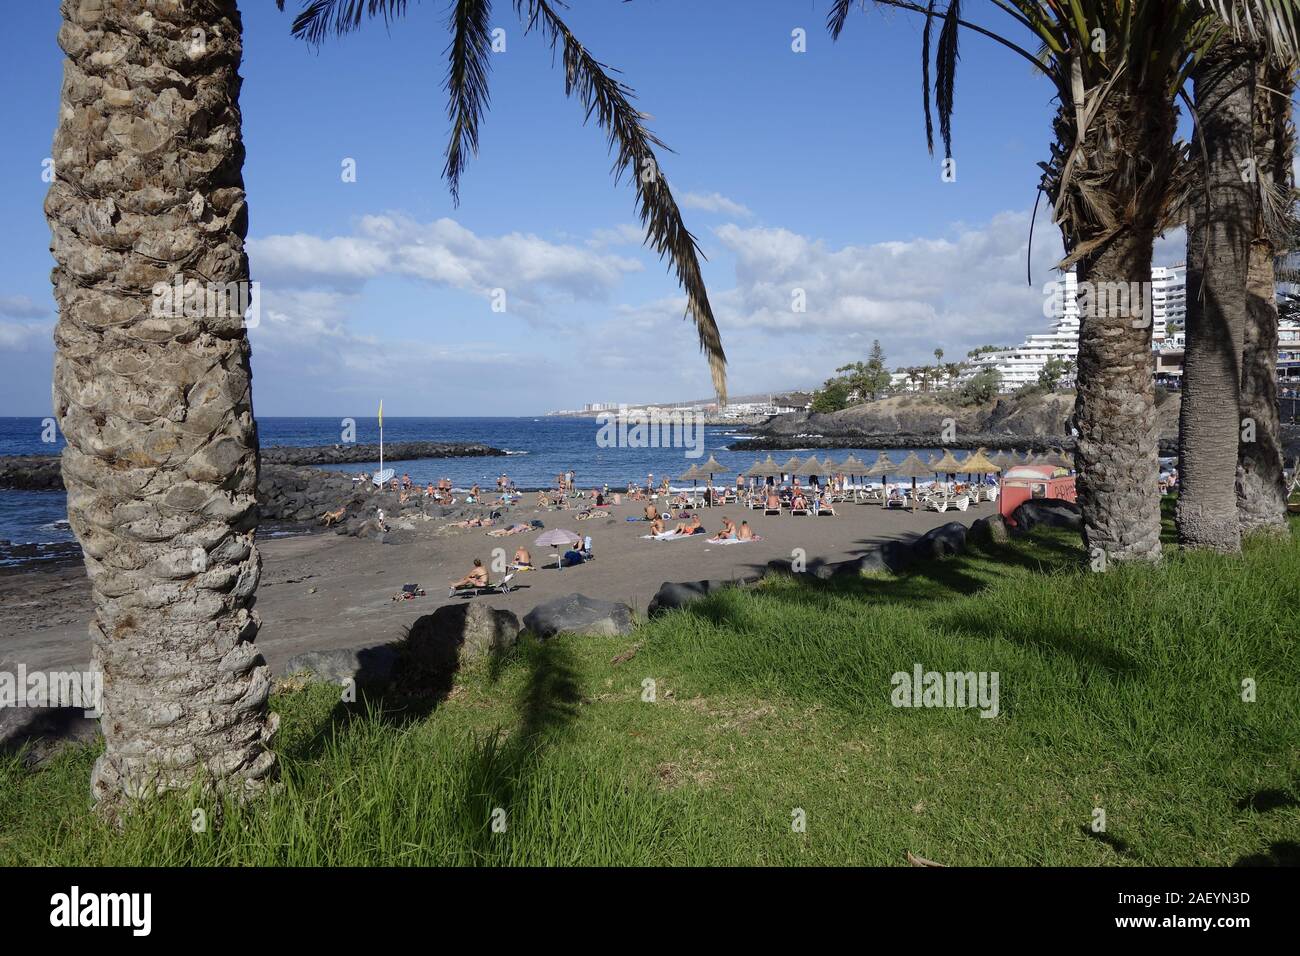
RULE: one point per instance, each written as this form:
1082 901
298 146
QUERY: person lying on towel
692 526
523 560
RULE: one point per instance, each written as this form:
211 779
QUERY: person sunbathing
477 577
728 529
744 532
798 502
690 527
522 558
773 501
657 525
331 518
651 512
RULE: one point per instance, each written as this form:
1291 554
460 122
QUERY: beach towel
757 537
668 536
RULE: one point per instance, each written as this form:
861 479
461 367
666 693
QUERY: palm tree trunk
1117 449
1261 493
1218 259
155 403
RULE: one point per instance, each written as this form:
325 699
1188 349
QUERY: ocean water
538 450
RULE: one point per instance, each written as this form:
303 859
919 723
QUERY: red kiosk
1022 482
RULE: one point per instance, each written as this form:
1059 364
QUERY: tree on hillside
869 379
1053 371
831 397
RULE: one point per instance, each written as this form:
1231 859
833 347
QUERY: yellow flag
381 413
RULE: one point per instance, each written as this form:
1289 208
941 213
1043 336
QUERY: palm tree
1117 67
155 402
152 389
1219 233
1261 503
607 99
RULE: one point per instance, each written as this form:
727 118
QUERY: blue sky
795 170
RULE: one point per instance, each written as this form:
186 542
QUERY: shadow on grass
499 769
1115 843
1278 853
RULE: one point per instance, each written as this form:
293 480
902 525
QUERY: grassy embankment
1120 691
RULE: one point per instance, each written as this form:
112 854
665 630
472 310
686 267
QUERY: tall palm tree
1220 227
155 403
1117 67
1261 505
152 389
607 99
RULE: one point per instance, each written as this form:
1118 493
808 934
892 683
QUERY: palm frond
925 77
945 82
1273 23
319 18
469 59
610 102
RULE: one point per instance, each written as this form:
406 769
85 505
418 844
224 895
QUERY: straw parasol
912 467
693 475
812 467
882 469
850 467
884 466
979 464
1003 460
757 471
946 464
1054 459
791 465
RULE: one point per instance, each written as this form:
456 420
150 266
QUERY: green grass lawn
1121 691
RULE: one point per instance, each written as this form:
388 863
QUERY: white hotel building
1021 365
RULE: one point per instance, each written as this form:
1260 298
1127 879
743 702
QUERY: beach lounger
960 503
501 587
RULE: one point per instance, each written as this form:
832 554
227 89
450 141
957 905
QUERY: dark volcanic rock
941 542
455 634
31 472
579 614
679 594
1053 512
353 454
990 530
368 666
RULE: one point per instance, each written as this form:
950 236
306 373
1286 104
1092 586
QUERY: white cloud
442 252
25 336
916 295
21 307
715 202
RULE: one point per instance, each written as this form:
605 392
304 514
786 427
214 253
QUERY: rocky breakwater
31 472
1032 421
353 454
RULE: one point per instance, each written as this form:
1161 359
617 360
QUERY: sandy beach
321 591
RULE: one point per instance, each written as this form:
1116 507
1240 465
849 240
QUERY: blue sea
538 450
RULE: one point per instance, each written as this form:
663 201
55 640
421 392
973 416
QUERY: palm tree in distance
1113 177
607 99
